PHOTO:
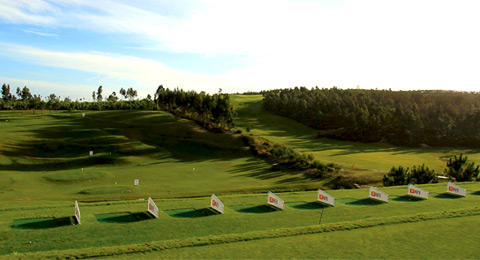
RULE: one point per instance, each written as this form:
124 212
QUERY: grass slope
378 156
46 157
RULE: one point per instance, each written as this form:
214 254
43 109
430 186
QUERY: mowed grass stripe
249 236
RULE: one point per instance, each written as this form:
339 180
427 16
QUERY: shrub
422 174
458 169
403 176
396 176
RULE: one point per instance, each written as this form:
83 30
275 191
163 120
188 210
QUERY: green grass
45 157
377 156
45 166
380 242
181 223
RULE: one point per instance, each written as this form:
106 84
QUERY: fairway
379 157
46 157
183 226
46 165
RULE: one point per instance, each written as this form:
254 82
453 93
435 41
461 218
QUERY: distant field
378 156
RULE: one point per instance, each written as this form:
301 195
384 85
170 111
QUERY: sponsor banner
275 201
216 204
417 192
377 194
325 198
77 213
136 182
456 190
152 208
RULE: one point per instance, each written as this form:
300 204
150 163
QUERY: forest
214 112
409 118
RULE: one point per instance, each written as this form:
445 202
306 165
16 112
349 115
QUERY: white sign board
377 194
91 153
77 213
83 114
275 201
216 204
456 190
415 191
152 208
325 198
136 182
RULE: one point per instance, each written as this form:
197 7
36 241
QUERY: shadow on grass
42 223
476 193
365 202
307 205
447 196
64 142
406 198
123 217
254 209
191 213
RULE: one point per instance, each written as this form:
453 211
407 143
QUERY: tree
396 176
458 169
99 94
123 93
113 97
7 97
94 96
131 93
422 175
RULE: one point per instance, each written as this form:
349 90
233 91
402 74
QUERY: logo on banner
152 208
216 204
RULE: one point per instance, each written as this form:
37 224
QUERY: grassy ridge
400 241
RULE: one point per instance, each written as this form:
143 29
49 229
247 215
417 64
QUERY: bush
396 176
403 176
458 169
422 174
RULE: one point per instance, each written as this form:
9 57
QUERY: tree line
214 112
434 118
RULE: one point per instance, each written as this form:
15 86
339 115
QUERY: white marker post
275 201
456 190
415 191
377 194
325 198
216 204
91 153
136 182
77 213
152 208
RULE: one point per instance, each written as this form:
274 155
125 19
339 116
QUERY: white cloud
399 44
148 74
45 88
40 33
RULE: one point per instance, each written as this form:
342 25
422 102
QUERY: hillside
351 155
46 157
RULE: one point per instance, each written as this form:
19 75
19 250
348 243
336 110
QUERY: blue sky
70 47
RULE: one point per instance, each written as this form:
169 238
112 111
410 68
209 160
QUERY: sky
70 47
